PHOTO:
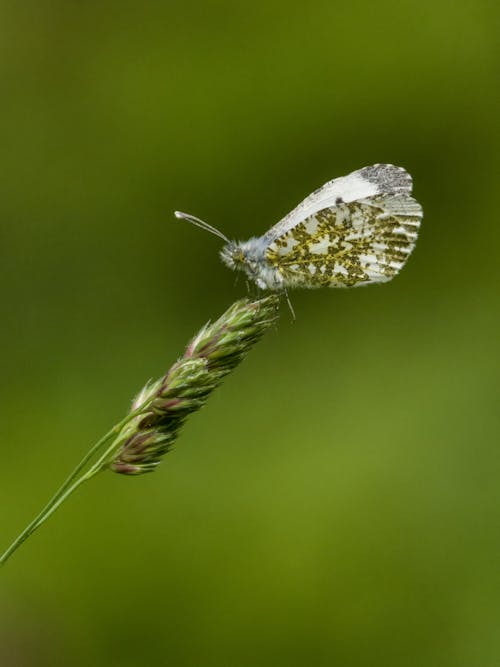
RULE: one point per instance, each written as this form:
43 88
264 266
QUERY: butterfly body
354 230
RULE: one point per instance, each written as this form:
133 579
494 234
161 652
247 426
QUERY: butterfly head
233 256
243 257
249 257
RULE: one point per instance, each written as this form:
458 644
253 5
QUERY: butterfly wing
366 182
355 230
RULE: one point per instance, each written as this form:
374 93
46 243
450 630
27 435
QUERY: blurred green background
337 502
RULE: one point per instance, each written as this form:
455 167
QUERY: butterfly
354 230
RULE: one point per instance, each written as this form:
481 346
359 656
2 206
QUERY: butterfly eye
238 256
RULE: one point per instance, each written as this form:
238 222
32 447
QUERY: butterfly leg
290 305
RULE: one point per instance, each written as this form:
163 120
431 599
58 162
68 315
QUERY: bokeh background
337 502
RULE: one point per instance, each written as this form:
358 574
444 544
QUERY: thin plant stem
69 485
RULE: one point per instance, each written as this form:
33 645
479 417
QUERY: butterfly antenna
200 223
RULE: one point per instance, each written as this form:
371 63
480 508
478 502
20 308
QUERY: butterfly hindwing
353 243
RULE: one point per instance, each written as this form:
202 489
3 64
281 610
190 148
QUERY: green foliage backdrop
337 501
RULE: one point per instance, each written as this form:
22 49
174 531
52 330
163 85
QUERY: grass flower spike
165 404
137 444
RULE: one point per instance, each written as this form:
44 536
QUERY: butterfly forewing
366 182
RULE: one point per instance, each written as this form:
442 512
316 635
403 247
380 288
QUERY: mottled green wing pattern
350 244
